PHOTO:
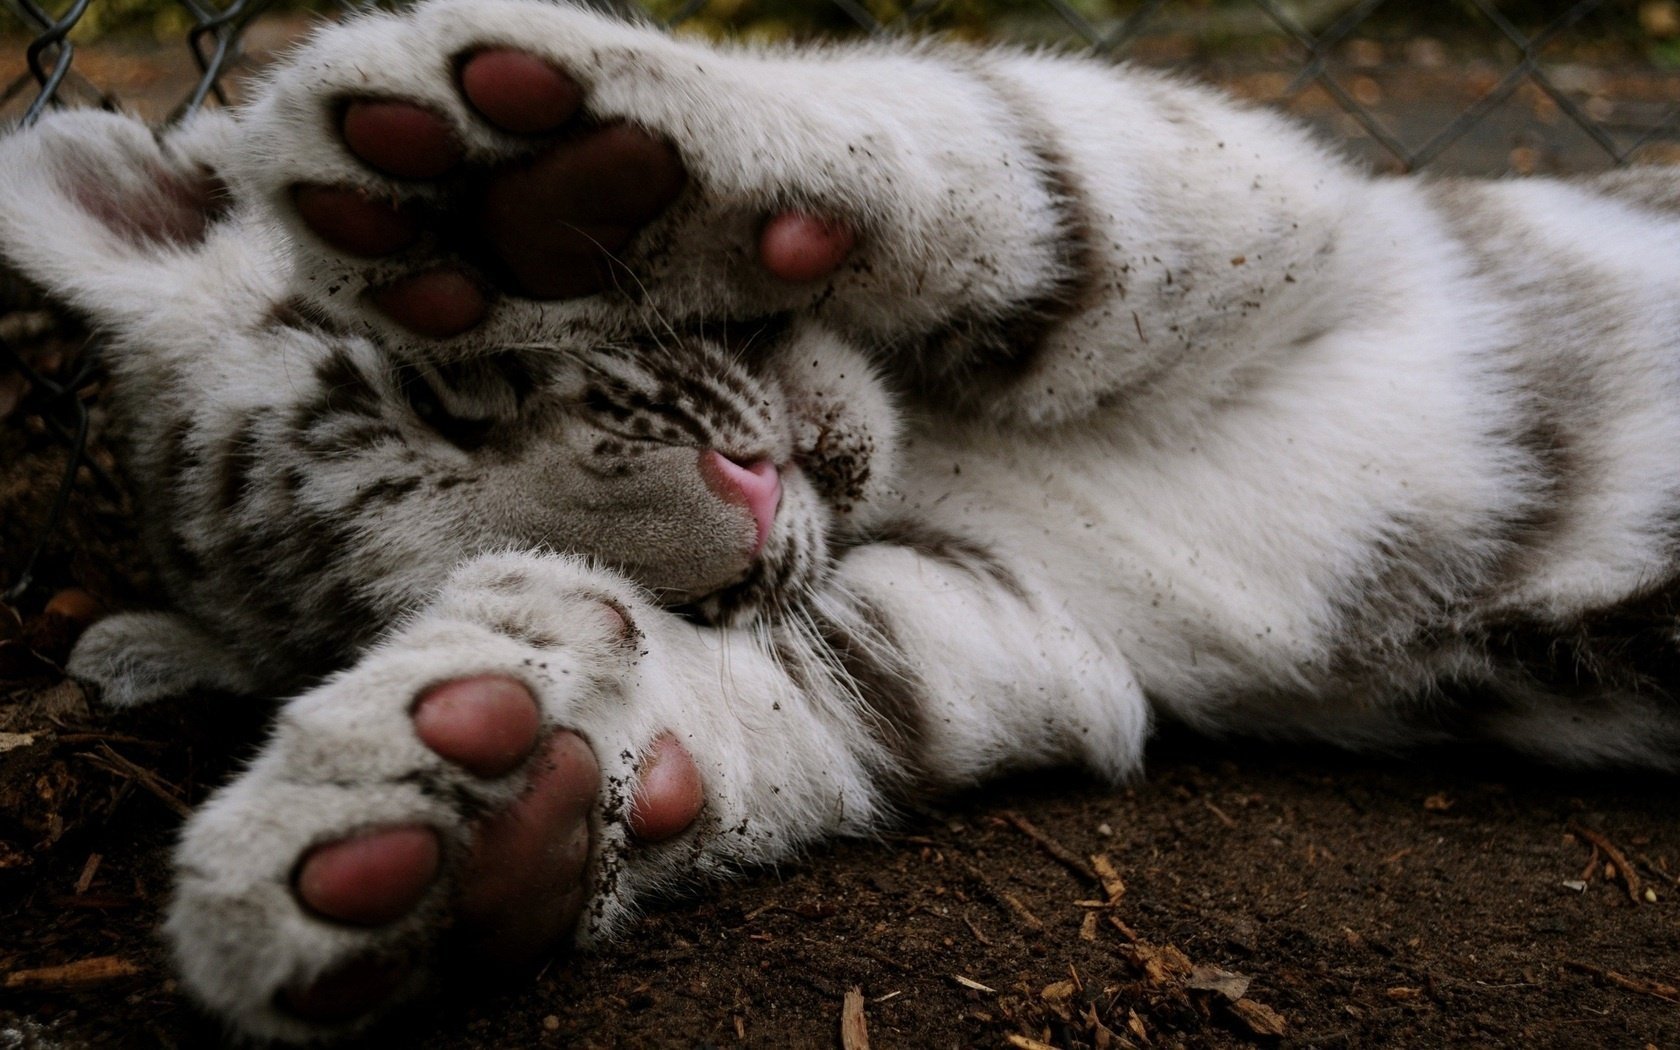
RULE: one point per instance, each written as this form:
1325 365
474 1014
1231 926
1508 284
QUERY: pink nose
755 486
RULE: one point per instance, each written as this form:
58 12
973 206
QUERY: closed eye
463 432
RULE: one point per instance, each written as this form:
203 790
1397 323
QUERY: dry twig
1022 912
89 870
81 972
1624 870
111 761
1064 856
1668 993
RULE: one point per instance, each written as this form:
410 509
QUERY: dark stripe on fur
1629 646
1396 602
181 463
305 316
872 661
1561 396
622 404
381 494
344 388
1649 188
948 548
238 458
991 348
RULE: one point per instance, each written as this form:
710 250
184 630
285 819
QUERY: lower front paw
348 926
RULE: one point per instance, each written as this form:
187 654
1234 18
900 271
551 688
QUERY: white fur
1277 372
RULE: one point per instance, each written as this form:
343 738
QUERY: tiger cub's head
304 485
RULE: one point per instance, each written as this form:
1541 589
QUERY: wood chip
1624 870
1088 927
13 857
83 971
854 1031
969 982
1113 886
1026 1042
1590 872
1258 1017
1066 857
1134 1025
1058 991
89 870
1022 912
1162 964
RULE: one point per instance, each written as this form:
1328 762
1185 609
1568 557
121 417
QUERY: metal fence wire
1328 43
1481 85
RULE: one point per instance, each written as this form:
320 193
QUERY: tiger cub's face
716 477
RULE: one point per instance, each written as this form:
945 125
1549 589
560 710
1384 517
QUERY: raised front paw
443 160
430 797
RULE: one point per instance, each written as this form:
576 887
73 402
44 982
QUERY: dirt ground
1419 902
1237 894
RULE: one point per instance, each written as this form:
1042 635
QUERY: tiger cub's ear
114 218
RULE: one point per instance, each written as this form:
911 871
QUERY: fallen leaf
1223 982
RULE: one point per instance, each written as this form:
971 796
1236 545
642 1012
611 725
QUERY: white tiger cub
1127 400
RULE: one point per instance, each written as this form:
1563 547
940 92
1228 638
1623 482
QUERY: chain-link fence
1468 85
